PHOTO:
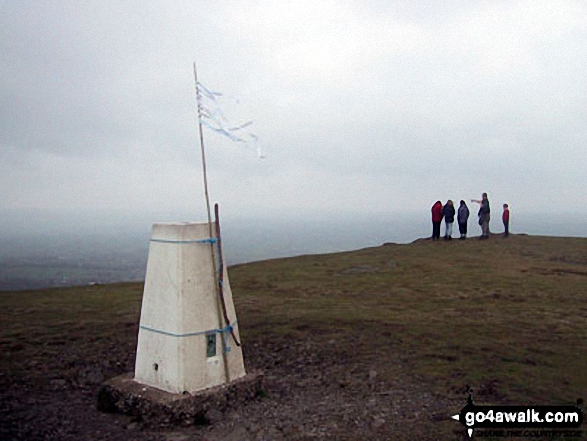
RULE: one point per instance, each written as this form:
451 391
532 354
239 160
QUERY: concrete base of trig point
157 408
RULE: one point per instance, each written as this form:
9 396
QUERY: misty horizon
118 252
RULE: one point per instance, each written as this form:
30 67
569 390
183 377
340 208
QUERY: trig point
189 358
184 342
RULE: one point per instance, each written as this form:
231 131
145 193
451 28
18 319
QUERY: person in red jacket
436 220
505 217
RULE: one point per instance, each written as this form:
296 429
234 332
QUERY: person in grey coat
484 215
462 219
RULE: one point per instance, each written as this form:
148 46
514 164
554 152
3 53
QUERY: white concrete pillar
181 314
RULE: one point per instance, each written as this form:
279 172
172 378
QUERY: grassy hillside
506 316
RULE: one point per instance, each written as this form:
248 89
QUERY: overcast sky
361 107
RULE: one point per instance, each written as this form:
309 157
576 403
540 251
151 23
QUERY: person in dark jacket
462 219
449 217
436 220
484 215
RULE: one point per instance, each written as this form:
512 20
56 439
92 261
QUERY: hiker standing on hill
505 217
462 219
484 215
436 220
449 217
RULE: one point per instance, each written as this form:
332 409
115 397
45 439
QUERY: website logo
512 418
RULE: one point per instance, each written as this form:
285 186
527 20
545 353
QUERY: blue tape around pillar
224 331
211 240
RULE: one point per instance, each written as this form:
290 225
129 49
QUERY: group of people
448 212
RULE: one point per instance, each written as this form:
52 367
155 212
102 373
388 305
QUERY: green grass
511 313
38 324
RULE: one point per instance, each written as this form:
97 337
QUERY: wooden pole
214 267
221 276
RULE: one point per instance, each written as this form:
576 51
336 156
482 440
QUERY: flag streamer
213 118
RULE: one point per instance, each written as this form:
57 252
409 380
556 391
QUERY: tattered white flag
212 117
